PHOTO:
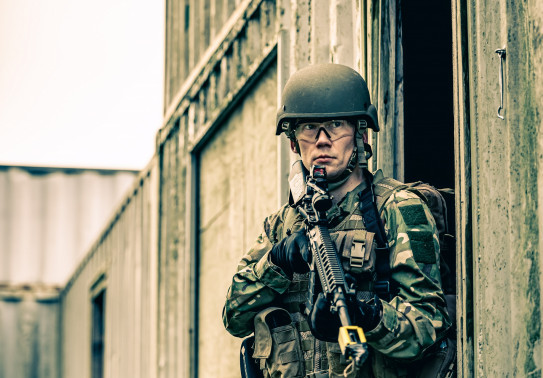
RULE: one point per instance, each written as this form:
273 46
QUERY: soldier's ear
294 147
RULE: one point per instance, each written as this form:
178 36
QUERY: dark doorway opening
428 100
98 329
428 92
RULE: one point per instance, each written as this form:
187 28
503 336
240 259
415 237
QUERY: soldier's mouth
322 159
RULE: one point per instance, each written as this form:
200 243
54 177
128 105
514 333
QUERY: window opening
97 339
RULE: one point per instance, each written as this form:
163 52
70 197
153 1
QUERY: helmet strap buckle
362 126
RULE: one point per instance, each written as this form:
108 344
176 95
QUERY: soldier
325 112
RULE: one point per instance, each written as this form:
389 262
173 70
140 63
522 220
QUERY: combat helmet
325 91
329 91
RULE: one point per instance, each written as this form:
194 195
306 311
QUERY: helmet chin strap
360 159
337 182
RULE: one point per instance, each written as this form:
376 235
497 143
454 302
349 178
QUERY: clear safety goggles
334 129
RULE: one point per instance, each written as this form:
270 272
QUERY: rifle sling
384 287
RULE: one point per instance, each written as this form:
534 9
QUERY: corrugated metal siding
29 335
49 218
125 257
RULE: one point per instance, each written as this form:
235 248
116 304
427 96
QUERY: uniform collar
345 206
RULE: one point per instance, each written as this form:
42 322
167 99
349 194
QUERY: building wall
48 219
234 85
238 188
193 27
29 333
205 218
123 262
504 174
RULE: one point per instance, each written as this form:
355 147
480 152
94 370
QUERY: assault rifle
313 205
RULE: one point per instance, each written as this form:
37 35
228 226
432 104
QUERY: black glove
366 315
325 326
291 254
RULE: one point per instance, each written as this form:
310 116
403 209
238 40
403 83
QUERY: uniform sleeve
417 316
257 283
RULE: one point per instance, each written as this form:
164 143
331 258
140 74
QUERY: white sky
81 82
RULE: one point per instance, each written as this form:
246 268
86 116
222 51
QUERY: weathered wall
238 188
124 262
29 334
505 163
203 120
48 219
50 216
214 92
463 200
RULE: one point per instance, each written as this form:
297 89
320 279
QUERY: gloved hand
291 254
325 326
366 315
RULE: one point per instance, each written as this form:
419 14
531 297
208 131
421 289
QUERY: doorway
428 92
428 99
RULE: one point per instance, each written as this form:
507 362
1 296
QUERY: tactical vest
357 247
283 341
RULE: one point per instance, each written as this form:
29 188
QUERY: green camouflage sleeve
417 316
255 285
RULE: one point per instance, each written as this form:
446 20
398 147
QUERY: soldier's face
333 149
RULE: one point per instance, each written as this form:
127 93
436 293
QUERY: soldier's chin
331 176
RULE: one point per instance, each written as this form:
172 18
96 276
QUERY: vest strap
372 220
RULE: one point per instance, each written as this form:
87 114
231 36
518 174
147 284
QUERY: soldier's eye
336 124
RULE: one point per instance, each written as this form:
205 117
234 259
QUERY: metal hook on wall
501 53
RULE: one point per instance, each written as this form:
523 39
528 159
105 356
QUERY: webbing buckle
382 289
357 254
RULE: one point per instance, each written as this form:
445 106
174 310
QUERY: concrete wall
233 88
238 188
504 180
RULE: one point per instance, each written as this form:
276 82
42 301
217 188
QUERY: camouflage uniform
411 322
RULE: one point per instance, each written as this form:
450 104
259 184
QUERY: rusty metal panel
123 263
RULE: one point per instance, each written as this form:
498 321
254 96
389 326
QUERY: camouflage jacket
411 322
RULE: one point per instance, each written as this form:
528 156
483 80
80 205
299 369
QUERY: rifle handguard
325 261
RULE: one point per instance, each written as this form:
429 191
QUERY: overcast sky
81 82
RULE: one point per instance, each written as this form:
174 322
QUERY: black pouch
439 361
248 365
